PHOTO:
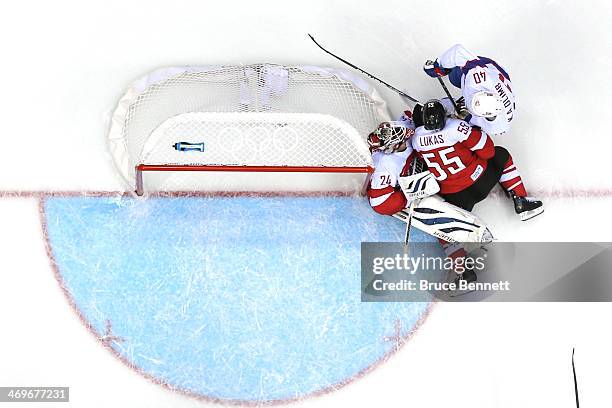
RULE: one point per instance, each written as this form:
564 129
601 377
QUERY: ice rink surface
66 63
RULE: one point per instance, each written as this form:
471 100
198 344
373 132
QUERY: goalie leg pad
436 217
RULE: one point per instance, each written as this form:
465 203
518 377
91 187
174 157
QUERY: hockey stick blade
401 93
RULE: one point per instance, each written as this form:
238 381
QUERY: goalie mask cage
259 127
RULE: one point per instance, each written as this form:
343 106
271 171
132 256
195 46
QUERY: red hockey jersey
457 155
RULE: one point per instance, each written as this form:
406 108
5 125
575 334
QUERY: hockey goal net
259 127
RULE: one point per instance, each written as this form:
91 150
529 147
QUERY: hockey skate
468 276
526 207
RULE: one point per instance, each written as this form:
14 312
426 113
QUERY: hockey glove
462 109
434 69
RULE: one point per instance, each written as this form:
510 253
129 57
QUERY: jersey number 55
443 163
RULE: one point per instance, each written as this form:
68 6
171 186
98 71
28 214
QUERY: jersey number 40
443 163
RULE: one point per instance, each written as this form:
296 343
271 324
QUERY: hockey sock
511 179
454 251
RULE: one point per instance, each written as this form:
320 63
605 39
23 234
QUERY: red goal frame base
263 169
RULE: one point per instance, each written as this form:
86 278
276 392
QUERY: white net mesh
254 115
254 139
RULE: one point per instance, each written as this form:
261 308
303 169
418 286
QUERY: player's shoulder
457 129
390 163
380 160
455 122
418 133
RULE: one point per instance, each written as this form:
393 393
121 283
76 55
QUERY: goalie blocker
432 215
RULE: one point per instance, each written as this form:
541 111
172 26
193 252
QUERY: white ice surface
65 63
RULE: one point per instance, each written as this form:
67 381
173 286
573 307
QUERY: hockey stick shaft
401 93
409 223
410 212
447 92
575 381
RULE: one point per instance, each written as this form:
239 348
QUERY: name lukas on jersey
431 140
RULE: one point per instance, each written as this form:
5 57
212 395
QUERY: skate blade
457 293
527 215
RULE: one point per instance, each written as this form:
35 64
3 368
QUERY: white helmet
486 104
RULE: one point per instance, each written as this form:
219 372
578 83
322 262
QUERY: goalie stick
401 93
410 212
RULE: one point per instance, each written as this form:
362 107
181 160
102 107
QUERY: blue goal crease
246 298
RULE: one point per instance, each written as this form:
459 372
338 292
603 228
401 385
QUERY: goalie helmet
486 104
388 136
434 115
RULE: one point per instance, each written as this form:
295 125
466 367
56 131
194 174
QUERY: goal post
306 125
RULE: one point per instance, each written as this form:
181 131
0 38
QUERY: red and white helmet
486 104
388 136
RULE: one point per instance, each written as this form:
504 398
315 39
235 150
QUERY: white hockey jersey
482 74
383 192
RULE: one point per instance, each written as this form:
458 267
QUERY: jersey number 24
443 163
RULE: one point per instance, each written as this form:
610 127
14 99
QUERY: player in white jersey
485 87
